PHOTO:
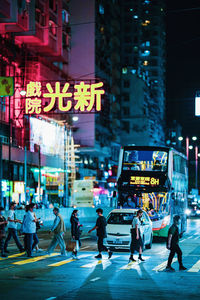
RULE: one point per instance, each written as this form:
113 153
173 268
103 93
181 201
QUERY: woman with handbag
75 232
136 240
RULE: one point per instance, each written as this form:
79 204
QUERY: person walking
35 236
136 240
3 224
173 245
101 233
75 232
29 229
12 229
58 229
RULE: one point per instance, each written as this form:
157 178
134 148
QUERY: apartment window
126 111
126 83
126 126
126 97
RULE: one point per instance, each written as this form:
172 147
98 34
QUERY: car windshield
120 218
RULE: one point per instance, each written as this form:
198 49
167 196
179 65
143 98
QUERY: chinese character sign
138 180
84 98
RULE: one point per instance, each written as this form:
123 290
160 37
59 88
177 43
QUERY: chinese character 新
33 105
86 95
59 95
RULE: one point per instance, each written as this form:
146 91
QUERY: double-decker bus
155 179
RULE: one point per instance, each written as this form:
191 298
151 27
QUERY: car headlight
187 212
198 212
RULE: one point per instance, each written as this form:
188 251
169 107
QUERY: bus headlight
187 212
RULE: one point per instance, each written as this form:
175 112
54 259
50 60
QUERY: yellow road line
133 264
195 267
34 259
13 255
66 261
162 266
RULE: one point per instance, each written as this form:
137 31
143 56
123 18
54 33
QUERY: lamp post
196 167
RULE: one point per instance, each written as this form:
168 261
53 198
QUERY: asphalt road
57 277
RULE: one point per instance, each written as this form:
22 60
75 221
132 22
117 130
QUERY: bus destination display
141 180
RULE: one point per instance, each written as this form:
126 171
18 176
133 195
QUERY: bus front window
141 160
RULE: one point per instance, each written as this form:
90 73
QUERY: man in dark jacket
101 233
173 246
3 224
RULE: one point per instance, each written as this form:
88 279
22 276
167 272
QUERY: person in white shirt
136 240
12 229
29 228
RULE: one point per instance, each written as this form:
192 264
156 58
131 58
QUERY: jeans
35 240
175 249
100 244
28 243
57 239
13 233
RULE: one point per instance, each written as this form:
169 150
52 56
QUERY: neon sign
83 99
141 180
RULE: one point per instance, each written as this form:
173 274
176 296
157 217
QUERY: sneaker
131 259
170 269
4 255
39 250
98 256
47 253
21 250
110 253
182 268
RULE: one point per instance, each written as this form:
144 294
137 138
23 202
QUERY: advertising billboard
49 135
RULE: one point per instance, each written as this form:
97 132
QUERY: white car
119 225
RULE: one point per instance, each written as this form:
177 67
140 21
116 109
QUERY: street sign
6 86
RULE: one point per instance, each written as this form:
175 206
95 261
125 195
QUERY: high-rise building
35 43
95 56
143 72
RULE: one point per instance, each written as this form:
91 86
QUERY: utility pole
39 174
66 196
9 151
25 172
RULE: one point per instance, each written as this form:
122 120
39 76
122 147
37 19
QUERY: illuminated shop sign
18 187
81 97
139 180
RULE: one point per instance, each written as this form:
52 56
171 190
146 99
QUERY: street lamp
194 138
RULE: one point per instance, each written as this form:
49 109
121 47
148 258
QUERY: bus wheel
148 246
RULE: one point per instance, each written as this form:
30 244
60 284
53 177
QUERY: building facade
143 72
35 44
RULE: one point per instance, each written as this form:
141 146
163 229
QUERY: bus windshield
145 160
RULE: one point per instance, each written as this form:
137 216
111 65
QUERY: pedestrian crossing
87 261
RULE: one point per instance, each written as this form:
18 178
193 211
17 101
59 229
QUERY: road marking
66 261
162 266
51 298
95 279
86 247
105 262
195 267
34 259
13 255
183 240
196 238
190 237
133 264
85 238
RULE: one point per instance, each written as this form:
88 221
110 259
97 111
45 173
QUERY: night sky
183 63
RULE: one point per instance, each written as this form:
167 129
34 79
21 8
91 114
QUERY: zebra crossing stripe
34 259
133 264
162 266
104 262
13 255
195 267
66 261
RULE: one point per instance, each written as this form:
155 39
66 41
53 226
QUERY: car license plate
118 242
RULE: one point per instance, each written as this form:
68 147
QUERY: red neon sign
83 99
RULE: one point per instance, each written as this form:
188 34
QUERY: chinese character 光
33 106
86 95
59 95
